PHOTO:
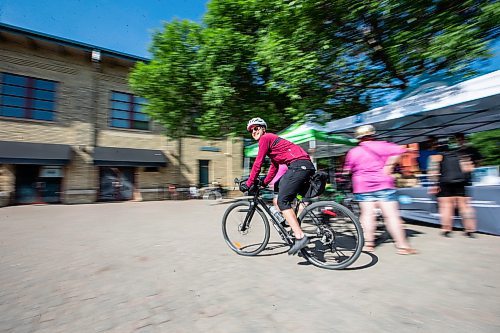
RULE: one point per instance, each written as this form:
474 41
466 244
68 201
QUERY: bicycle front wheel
247 242
336 236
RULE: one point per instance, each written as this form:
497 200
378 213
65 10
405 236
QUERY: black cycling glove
251 190
243 186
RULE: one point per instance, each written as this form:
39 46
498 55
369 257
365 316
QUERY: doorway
203 172
116 183
34 186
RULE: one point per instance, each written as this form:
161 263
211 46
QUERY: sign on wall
51 172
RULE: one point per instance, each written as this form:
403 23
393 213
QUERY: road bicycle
335 234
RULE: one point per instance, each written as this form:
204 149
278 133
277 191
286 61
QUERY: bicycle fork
246 223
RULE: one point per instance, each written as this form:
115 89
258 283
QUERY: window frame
131 103
31 86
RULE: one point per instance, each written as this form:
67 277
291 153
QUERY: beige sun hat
364 130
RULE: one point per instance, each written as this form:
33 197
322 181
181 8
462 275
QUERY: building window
126 111
27 97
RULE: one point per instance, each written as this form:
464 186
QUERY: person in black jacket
449 170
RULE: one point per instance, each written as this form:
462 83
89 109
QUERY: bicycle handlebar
257 185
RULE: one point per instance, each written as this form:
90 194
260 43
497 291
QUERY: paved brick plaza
164 267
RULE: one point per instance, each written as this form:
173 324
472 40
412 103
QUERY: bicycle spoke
245 239
336 235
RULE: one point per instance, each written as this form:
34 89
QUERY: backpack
451 171
317 184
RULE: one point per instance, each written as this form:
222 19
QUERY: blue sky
120 25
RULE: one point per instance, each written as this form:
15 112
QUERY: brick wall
82 88
7 183
225 161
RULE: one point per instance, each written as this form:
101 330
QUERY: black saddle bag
317 184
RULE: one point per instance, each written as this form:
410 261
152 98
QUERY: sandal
369 247
406 251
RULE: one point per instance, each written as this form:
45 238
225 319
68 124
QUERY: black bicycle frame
257 201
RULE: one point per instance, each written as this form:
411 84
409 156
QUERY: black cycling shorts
294 181
452 190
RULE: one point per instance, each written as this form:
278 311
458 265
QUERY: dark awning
468 107
34 153
110 156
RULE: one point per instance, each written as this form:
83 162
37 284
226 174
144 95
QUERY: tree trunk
179 160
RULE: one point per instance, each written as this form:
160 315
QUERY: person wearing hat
371 164
294 181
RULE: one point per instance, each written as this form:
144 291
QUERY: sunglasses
255 129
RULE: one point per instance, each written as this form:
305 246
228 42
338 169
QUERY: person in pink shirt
371 164
294 181
275 183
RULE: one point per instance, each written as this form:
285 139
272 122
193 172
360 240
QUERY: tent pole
312 149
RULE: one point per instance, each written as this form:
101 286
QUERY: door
50 190
34 186
27 184
203 167
50 180
116 184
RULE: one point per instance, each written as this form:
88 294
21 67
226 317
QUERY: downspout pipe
96 64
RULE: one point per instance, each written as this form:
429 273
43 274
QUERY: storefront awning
34 153
111 156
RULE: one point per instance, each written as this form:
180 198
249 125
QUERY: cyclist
294 181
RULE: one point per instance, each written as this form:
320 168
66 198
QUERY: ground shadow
373 262
383 236
438 226
273 246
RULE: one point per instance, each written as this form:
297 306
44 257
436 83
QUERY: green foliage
173 82
488 144
281 59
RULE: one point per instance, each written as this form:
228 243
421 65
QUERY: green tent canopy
303 133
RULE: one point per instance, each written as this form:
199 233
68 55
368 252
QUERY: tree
347 53
236 89
282 59
173 82
488 144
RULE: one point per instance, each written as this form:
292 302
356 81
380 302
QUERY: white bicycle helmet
256 122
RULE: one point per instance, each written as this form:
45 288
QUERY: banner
417 205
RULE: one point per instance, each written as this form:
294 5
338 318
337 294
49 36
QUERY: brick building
71 130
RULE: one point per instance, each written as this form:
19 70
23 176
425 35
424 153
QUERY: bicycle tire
258 233
353 206
336 236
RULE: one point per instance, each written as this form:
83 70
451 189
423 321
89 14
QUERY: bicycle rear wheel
251 241
336 236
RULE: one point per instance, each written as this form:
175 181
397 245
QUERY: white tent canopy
468 107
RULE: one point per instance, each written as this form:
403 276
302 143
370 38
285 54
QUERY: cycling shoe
298 245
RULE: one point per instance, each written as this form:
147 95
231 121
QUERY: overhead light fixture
96 55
